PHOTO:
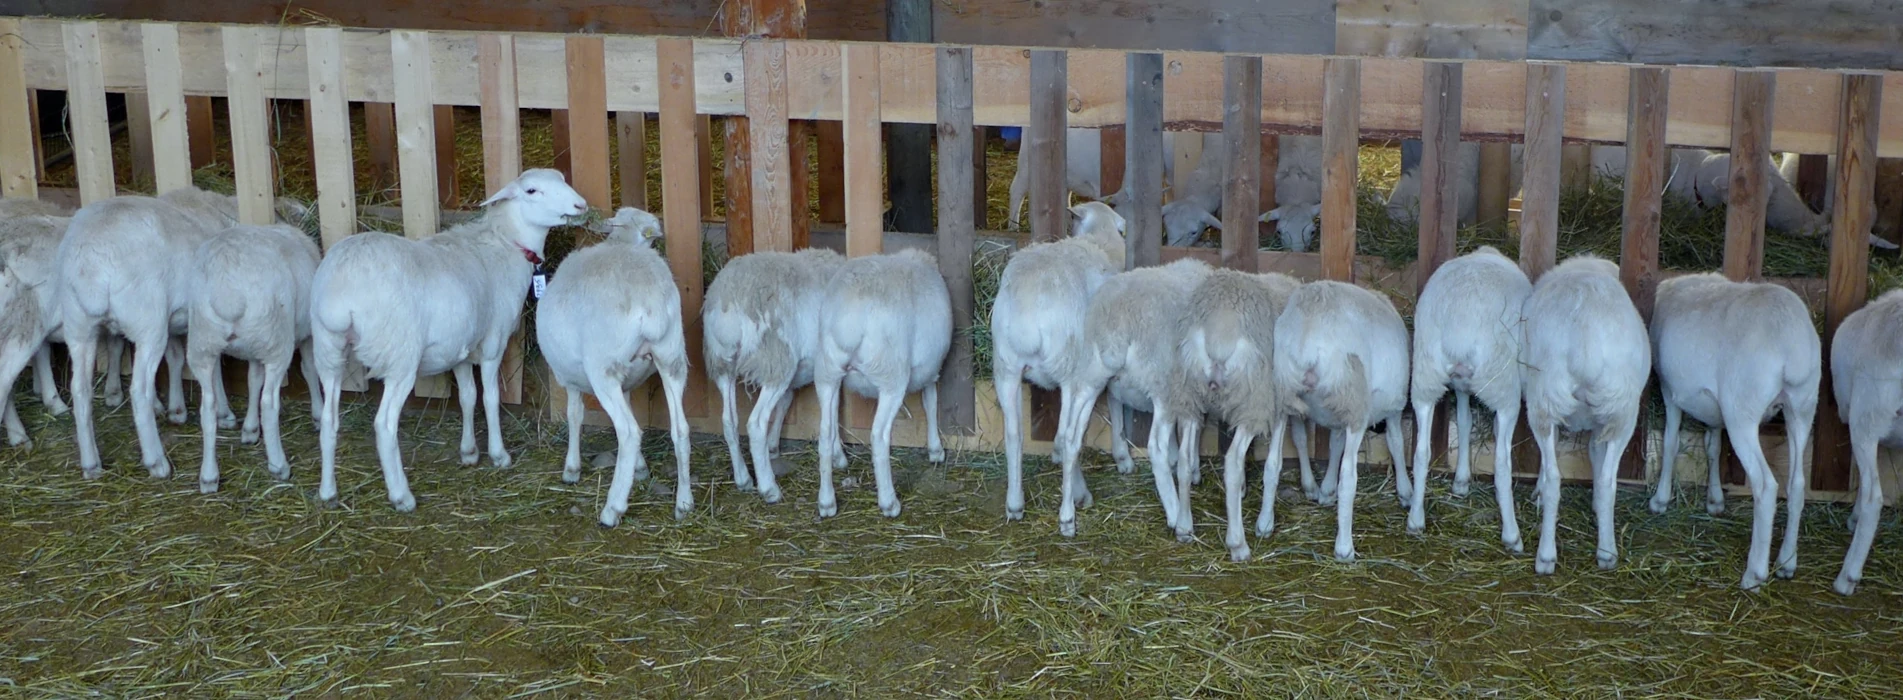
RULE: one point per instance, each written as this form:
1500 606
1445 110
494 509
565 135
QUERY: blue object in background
1011 134
1410 155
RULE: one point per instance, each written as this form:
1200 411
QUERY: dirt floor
501 584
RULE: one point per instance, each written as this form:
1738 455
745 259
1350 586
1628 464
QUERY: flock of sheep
179 278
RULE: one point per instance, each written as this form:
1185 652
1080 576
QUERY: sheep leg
1119 434
115 381
1159 455
1668 458
175 385
759 436
82 349
1795 489
1605 489
571 462
396 390
203 359
1009 385
934 448
145 398
1331 479
43 380
330 382
889 402
254 395
307 360
1763 484
828 429
1271 478
1505 421
627 444
1188 462
1463 460
1020 182
1546 560
16 430
1077 403
1417 506
780 409
11 362
466 399
1714 483
1397 452
269 401
1233 477
1869 506
1345 498
1304 437
492 407
729 429
673 386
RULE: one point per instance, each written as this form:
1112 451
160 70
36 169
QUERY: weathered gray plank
1440 139
1046 140
1242 143
1813 33
1232 26
957 398
1143 159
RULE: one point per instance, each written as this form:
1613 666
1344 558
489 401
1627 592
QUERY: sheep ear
292 210
1272 216
1212 221
508 191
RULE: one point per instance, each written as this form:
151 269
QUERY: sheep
1703 178
761 322
1467 337
610 319
1194 205
250 299
884 331
1082 170
1037 326
1342 352
408 308
30 232
1405 198
1732 354
1225 366
1584 361
1298 190
123 267
1130 353
1867 379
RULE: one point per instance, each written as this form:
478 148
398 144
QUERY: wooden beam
1543 160
18 137
203 138
799 143
416 154
330 122
864 196
1639 248
448 181
1496 160
250 126
588 120
1861 112
86 100
908 147
631 146
1242 139
1790 33
832 169
680 202
1748 193
771 167
1047 141
1231 26
166 111
1143 150
139 138
501 163
1440 189
957 402
1341 129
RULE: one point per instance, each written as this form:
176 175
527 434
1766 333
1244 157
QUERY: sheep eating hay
409 308
609 320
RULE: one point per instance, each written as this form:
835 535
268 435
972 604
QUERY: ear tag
538 285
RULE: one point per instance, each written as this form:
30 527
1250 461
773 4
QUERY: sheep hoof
25 444
1608 561
406 504
207 486
115 400
937 455
1544 566
1345 555
227 422
770 494
1125 465
610 517
56 408
161 469
502 460
571 475
1264 529
1011 514
1067 528
1084 499
247 437
281 472
91 472
826 509
1462 488
1513 545
177 416
1787 572
1845 585
1239 554
1751 581
744 486
469 457
1326 499
683 507
1185 535
1657 506
1414 528
1718 508
890 511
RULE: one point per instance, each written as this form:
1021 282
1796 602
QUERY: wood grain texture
1851 204
165 105
1111 160
1543 158
1645 181
330 122
799 143
86 102
1429 29
559 143
704 140
1341 129
772 167
631 152
415 132
1749 193
139 137
864 199
250 127
379 134
1440 137
681 199
1045 142
448 177
1493 195
1816 33
1143 154
957 397
19 166
1242 141
1236 26
832 169
203 137
588 121
501 113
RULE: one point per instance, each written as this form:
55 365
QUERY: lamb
1225 366
609 320
1584 361
884 331
30 232
761 320
408 308
124 266
1342 352
1867 378
1195 205
1037 326
1467 337
250 299
1703 178
1732 354
1131 354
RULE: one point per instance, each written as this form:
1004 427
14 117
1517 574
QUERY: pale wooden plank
1046 138
139 138
1749 193
86 101
681 199
415 132
771 173
1495 160
1539 205
832 166
1852 206
448 181
1143 158
501 163
588 121
379 135
330 124
864 197
631 146
1242 139
19 164
165 103
957 397
1341 128
1639 249
250 125
1440 141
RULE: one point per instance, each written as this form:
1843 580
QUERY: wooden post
981 183
559 140
1143 158
1045 142
19 175
680 202
1242 160
416 153
1496 160
770 168
756 20
1639 249
864 196
799 142
204 138
139 138
501 163
1889 214
1813 173
908 152
631 146
1341 131
379 133
1752 97
957 399
832 170
250 126
588 121
332 163
1266 197
166 112
1440 136
86 99
1543 160
1110 167
448 183
1861 114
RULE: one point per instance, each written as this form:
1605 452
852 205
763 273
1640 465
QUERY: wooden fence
774 83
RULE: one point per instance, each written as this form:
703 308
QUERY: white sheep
1342 352
1404 200
1225 367
1083 171
1703 178
1732 354
1584 362
1194 205
610 319
885 330
409 308
30 232
1467 337
250 290
1037 325
1131 354
1866 376
124 266
1298 190
761 323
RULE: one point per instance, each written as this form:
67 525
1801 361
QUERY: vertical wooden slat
416 153
1341 132
139 137
957 400
1861 113
1745 199
86 100
165 105
1265 181
767 139
737 174
330 121
1575 161
558 138
588 120
1639 249
980 182
379 135
864 196
18 137
832 170
799 143
250 127
1492 193
1188 147
631 146
1542 160
204 137
1143 152
1242 139
39 145
1889 213
680 199
1047 141
704 140
1111 164
1440 189
448 182
501 162
1813 173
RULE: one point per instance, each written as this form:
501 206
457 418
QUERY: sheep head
630 224
1295 224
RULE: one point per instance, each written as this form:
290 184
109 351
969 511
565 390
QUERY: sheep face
1183 222
632 225
1089 216
1295 224
542 199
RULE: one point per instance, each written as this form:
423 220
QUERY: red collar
529 255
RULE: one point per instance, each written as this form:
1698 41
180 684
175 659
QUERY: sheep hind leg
1331 478
1345 498
145 368
1605 490
44 382
1119 435
1546 557
175 386
673 386
1799 422
1868 507
13 360
492 410
760 437
466 399
396 390
83 349
1463 460
571 462
268 399
203 360
1188 463
1304 437
1397 452
780 409
1009 385
254 395
1505 422
1271 479
828 394
1668 458
115 393
730 430
1763 484
307 361
1234 465
1714 483
890 400
1077 403
934 445
1417 504
608 392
